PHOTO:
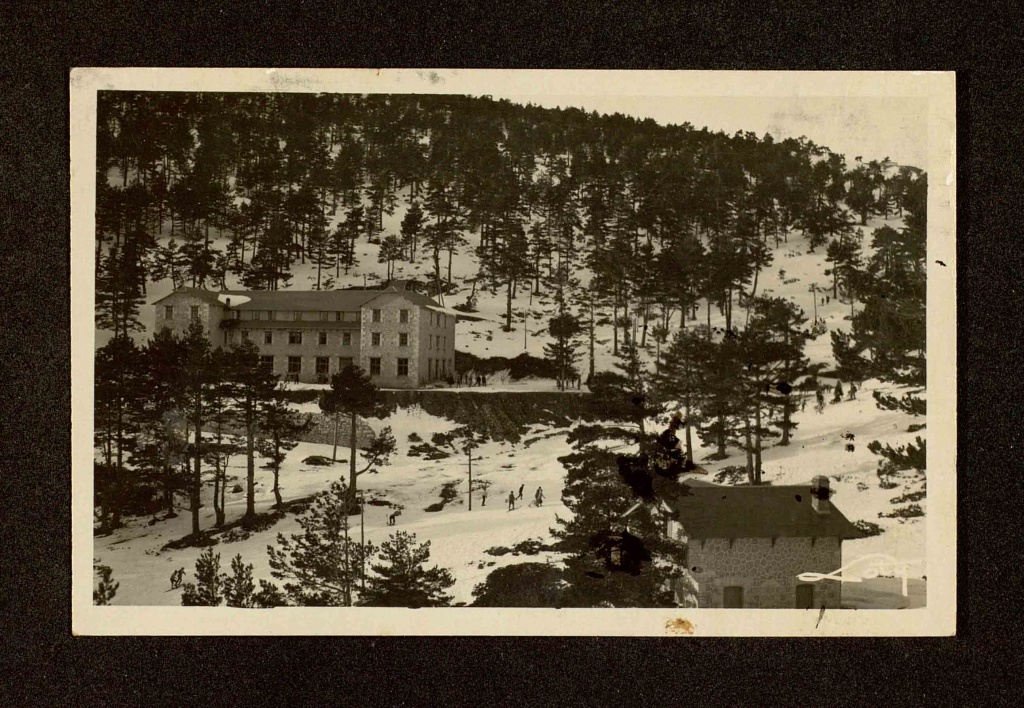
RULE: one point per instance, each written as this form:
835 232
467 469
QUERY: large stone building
747 545
400 337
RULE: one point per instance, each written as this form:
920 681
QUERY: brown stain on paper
679 626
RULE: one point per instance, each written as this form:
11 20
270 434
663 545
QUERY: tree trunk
250 472
757 443
471 479
748 446
352 461
689 440
508 308
337 423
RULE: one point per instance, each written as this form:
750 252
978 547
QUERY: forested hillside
748 281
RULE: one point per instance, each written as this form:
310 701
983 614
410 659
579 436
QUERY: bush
870 528
910 511
521 585
415 438
306 395
202 540
908 497
733 474
319 460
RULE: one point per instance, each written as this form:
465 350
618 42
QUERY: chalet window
296 316
403 316
322 338
295 337
376 315
403 339
732 596
168 312
403 367
338 316
375 339
346 339
267 363
271 315
322 367
245 335
268 336
295 365
194 310
805 597
430 341
325 316
344 361
375 366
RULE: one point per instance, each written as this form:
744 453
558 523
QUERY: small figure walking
176 578
853 392
819 394
511 501
520 491
837 397
538 498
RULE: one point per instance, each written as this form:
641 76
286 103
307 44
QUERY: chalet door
804 597
732 596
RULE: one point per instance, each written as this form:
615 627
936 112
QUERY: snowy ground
459 537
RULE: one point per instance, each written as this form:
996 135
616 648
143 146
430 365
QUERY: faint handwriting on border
870 566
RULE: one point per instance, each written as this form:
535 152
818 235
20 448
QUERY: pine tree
412 225
249 389
279 431
353 394
401 579
321 563
208 590
462 439
106 589
563 351
391 250
118 373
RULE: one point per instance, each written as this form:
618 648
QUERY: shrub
415 438
318 460
733 474
520 585
869 527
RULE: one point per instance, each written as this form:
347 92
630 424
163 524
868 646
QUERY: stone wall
182 302
766 570
389 351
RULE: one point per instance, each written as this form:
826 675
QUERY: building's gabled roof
302 300
205 295
411 295
719 511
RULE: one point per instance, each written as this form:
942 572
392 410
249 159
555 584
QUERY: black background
42 664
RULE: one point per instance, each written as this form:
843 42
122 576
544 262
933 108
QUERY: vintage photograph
491 349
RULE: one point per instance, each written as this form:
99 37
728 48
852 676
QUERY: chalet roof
206 295
719 511
302 300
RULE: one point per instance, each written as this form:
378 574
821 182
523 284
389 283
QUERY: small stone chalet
747 545
400 337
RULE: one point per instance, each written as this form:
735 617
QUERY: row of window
436 367
295 337
436 341
732 596
437 319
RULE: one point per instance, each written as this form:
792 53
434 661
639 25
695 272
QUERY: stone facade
393 335
766 569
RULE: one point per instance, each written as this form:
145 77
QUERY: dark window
168 312
430 341
245 335
296 316
403 315
346 339
344 361
322 366
376 315
295 337
195 313
403 367
322 338
732 596
268 336
805 597
403 339
375 366
325 316
295 365
271 315
375 339
337 316
267 363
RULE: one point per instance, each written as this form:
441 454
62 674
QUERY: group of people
837 394
538 497
469 379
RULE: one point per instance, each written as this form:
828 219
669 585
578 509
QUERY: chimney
227 301
820 495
